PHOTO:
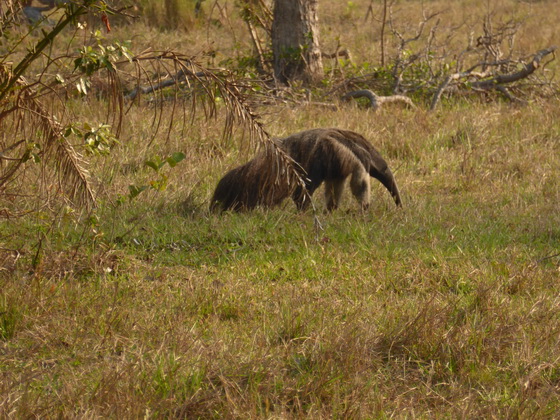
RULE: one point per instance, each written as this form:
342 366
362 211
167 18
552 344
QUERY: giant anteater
327 155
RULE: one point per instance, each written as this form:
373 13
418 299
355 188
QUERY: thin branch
382 33
44 42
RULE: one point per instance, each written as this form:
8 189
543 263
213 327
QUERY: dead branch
527 70
178 77
403 60
486 81
493 39
377 101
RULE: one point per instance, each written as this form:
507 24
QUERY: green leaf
152 165
160 184
175 158
134 191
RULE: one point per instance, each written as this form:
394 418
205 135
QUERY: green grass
447 306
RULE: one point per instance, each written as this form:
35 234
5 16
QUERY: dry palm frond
29 112
70 165
207 88
29 130
34 114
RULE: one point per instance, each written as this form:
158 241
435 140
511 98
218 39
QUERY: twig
547 257
256 44
382 33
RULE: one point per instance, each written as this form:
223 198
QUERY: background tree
295 41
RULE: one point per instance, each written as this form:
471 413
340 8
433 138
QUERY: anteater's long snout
388 180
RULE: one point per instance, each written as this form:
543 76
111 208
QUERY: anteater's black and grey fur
326 155
258 183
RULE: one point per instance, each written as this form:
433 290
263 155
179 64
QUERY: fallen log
377 101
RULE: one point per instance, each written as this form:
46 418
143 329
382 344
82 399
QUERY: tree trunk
295 41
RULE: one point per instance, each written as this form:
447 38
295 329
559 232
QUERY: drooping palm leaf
206 86
27 112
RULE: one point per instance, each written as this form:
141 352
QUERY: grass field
156 308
